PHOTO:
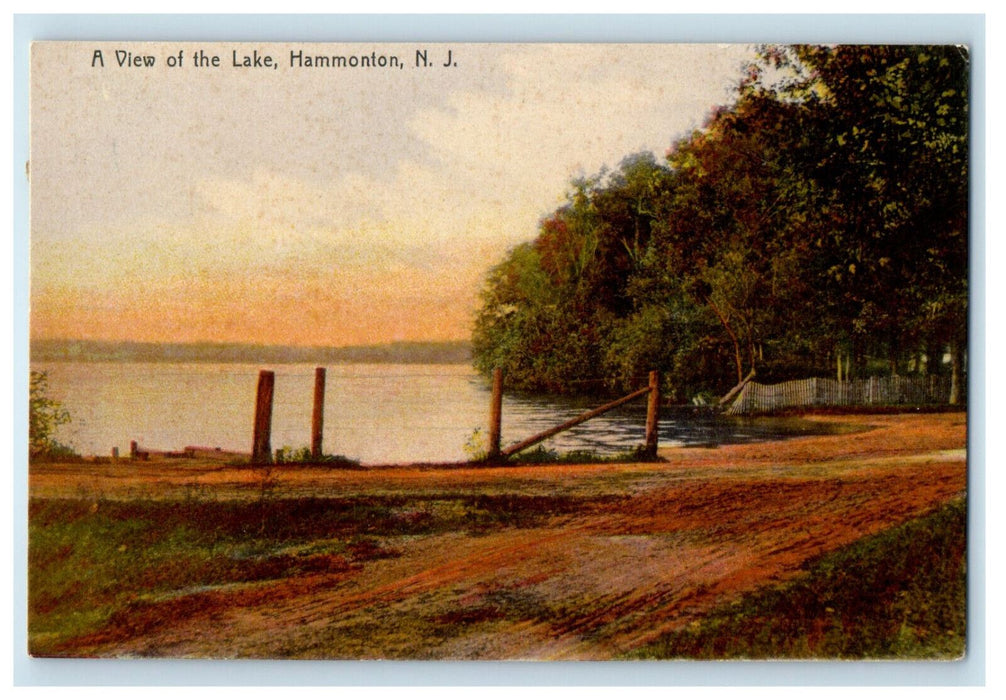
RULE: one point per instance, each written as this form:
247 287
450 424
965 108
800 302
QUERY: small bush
302 455
45 415
476 447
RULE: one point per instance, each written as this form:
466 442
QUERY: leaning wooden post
653 415
496 415
261 447
318 414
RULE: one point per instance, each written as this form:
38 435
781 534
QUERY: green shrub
45 415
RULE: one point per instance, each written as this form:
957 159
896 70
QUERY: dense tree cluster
816 226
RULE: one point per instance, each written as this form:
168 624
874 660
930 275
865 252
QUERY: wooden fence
874 391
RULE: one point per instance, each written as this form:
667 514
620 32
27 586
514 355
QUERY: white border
826 28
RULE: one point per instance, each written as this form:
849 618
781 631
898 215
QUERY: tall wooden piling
261 447
496 414
318 414
653 415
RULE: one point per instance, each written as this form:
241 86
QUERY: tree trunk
751 348
738 359
956 373
736 390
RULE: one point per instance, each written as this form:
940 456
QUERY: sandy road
670 541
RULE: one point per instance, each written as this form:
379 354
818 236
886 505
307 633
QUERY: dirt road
649 548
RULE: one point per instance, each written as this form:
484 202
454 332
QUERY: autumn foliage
817 225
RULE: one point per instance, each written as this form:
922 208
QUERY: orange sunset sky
322 206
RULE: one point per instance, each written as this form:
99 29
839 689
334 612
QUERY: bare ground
654 547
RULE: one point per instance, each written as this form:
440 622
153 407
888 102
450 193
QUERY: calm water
373 413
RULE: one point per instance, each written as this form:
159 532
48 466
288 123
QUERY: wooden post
318 414
261 448
496 414
653 415
535 439
134 449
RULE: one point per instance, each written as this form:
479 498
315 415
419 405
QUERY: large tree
820 220
890 127
738 228
548 309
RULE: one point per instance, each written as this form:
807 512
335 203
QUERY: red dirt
682 536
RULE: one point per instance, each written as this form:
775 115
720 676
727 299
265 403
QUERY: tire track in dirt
766 539
439 563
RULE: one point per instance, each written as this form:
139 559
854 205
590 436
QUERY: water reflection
623 429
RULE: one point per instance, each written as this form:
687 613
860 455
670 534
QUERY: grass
94 563
900 594
303 455
544 455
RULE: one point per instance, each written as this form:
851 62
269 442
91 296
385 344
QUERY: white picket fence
875 391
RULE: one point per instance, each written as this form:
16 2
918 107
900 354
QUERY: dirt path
668 542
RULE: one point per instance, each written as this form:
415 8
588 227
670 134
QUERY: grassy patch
95 563
898 594
544 455
303 455
89 560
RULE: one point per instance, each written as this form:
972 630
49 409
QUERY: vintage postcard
485 351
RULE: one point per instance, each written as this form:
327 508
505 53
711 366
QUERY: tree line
816 226
415 352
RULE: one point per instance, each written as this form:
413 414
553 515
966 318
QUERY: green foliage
823 214
476 447
548 309
291 455
303 455
541 454
45 416
891 150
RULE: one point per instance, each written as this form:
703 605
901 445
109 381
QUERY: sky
322 206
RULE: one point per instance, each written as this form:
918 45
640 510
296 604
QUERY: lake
374 413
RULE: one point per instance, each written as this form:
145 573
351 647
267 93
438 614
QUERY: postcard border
968 29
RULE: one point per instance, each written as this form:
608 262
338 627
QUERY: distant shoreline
441 352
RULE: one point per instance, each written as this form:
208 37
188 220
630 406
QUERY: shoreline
855 417
867 437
